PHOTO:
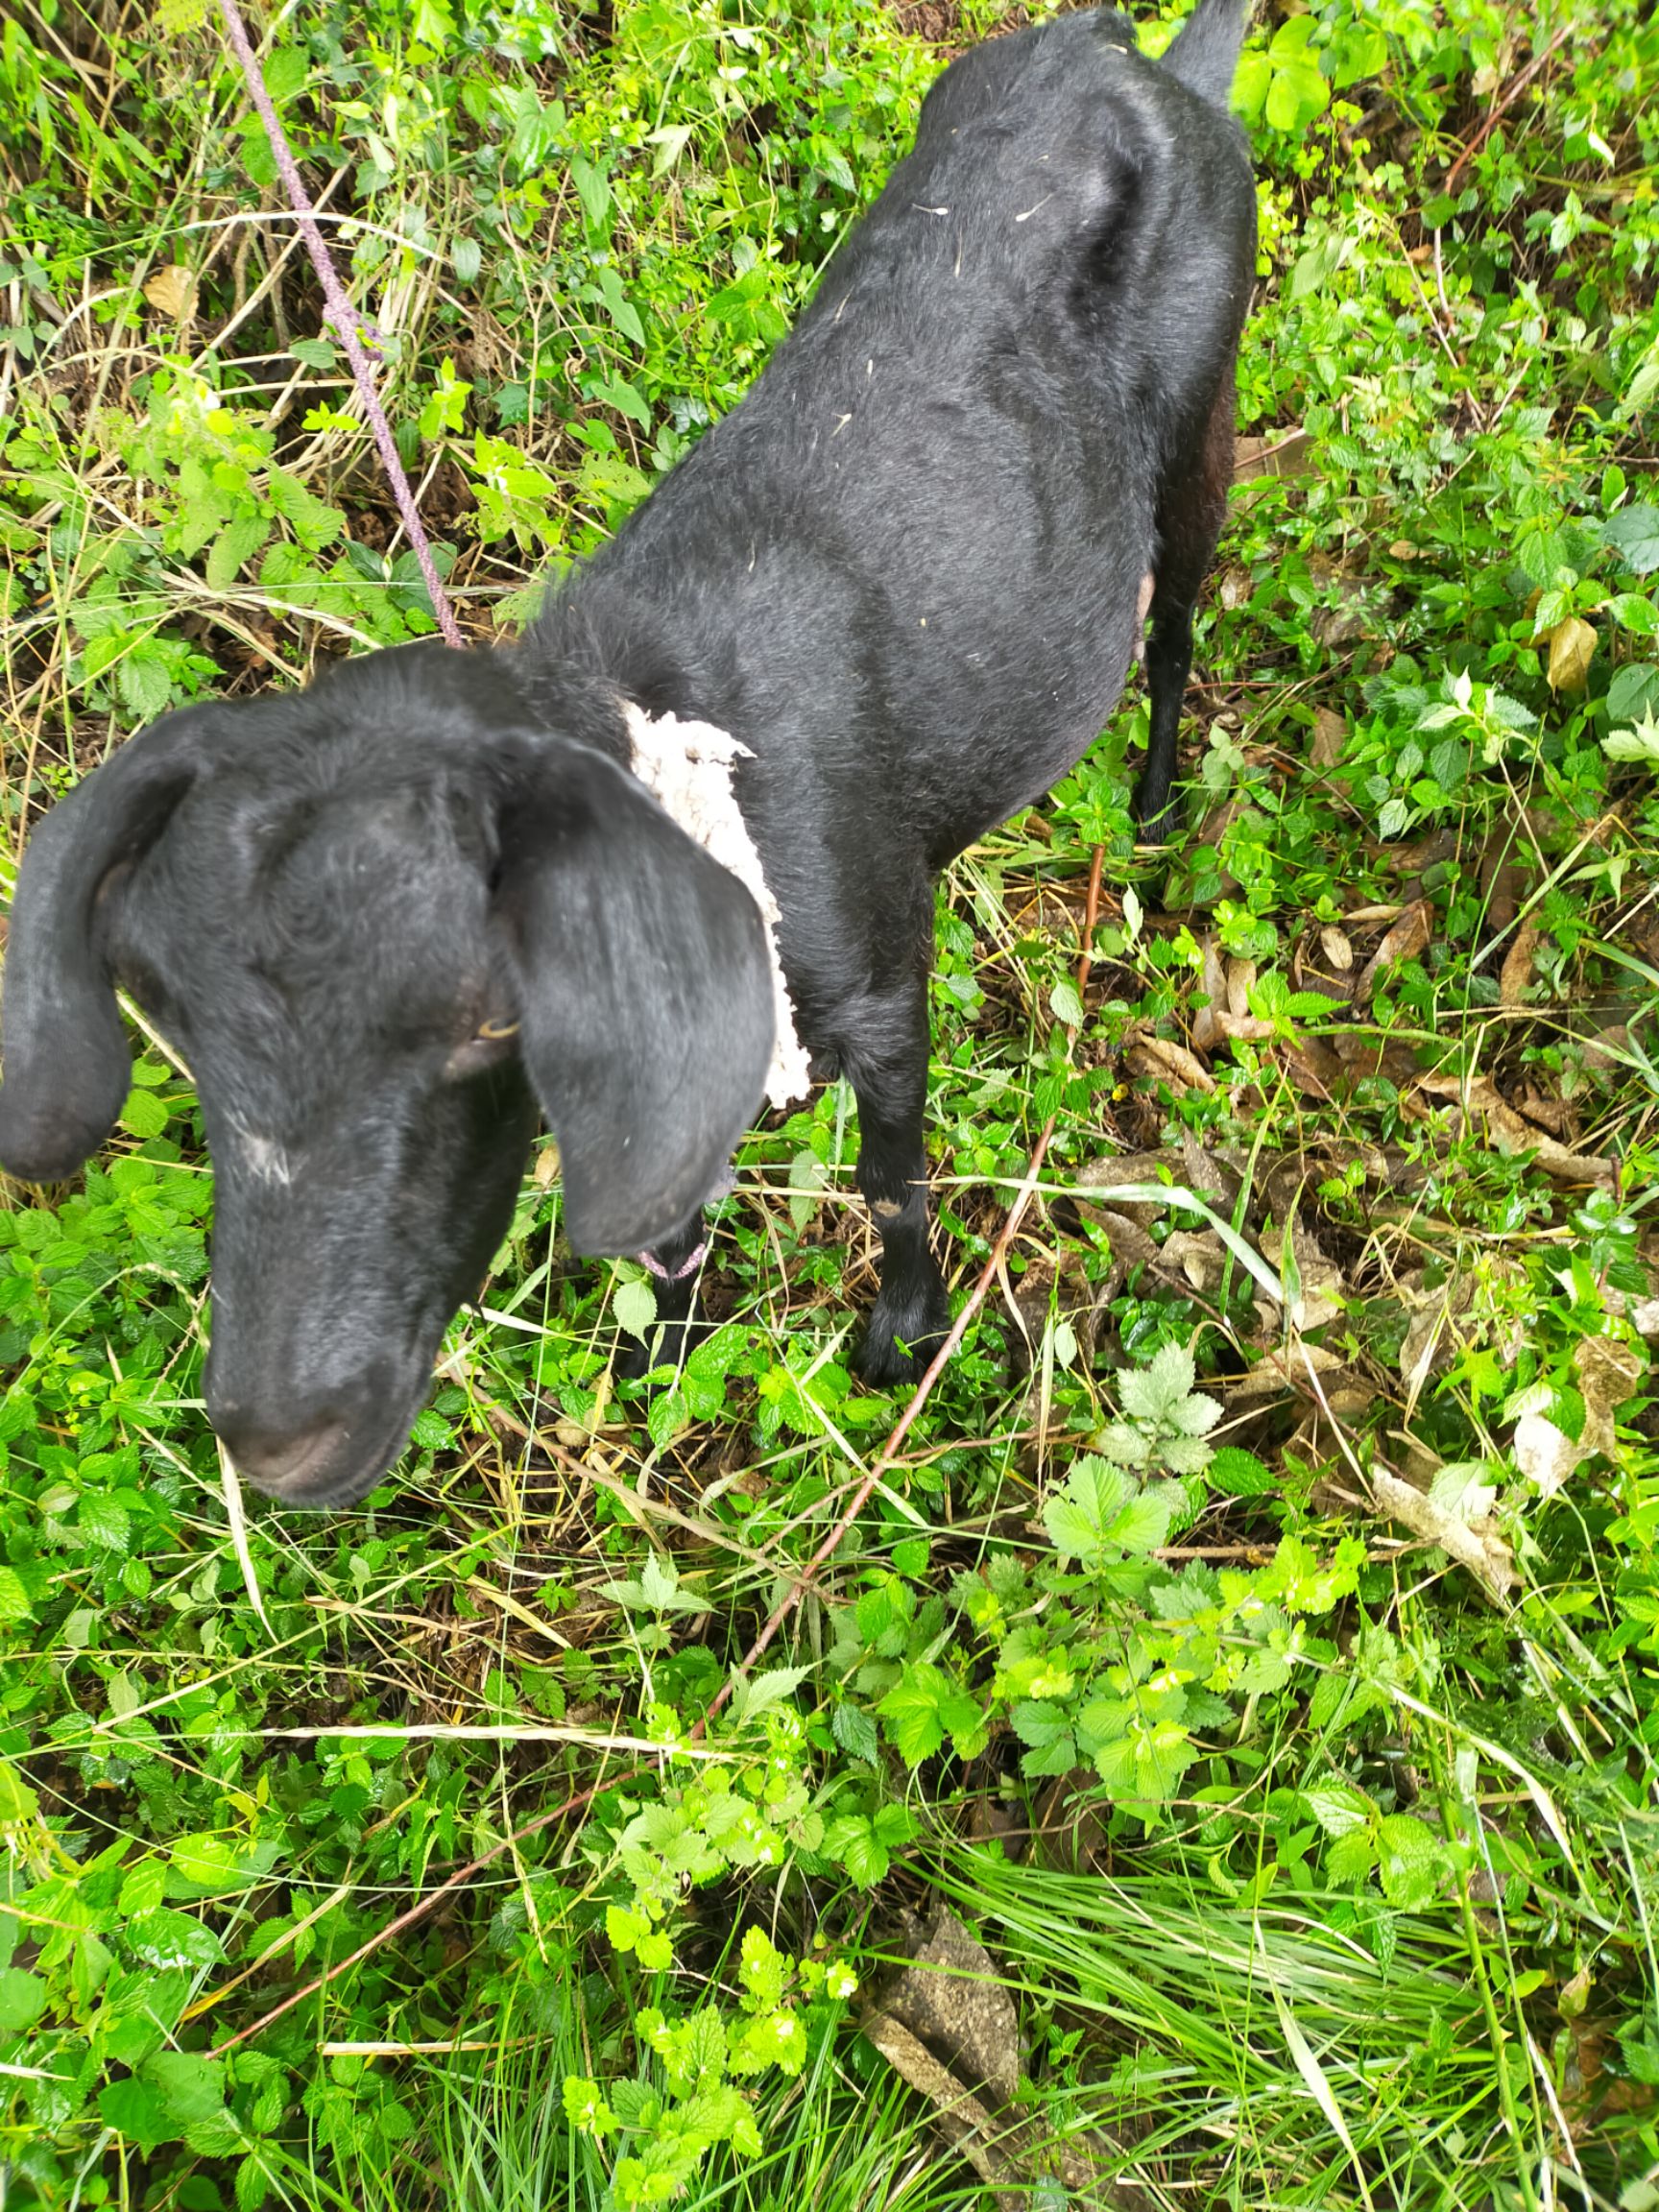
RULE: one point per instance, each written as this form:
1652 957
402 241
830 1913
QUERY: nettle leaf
1039 1724
1351 1857
914 1711
1633 692
312 520
221 1862
635 1305
138 2111
1409 1861
192 2086
1231 1468
143 1887
102 1522
770 1689
1153 1393
895 1825
1195 1416
15 1606
144 1114
1144 1524
850 1841
1338 1806
22 1999
1146 1766
165 1938
145 680
1634 533
1092 1494
1125 1444
855 1732
761 1968
234 547
657 1589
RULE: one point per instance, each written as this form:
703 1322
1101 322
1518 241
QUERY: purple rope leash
346 320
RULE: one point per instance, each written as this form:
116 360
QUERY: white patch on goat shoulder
265 1158
686 767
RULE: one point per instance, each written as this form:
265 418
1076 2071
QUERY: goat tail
1205 56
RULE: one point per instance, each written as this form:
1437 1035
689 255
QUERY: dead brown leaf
1288 454
1516 972
1608 1373
1108 1176
1313 1066
949 2027
1131 1247
1334 944
1544 1453
953 1997
965 2124
1233 589
1329 735
1216 1171
1212 983
1405 940
1280 1370
1416 861
1605 1052
1502 876
1166 1062
1511 1132
1195 1255
1475 1543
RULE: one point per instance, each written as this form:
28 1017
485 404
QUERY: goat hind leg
1191 507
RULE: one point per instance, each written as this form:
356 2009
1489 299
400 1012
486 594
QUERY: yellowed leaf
172 292
1572 644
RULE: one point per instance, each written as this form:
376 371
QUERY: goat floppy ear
646 996
66 1064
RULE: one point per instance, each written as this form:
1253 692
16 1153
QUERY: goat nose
282 1462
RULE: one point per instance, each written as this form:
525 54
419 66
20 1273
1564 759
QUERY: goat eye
484 1048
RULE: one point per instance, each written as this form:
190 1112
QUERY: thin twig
424 1905
1502 106
888 1457
347 324
889 1454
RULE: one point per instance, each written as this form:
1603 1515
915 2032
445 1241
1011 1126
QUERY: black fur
383 920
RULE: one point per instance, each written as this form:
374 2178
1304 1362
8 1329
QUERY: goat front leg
911 1313
673 1267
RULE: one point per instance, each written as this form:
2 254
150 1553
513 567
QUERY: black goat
386 919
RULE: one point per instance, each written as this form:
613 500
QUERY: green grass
1309 1820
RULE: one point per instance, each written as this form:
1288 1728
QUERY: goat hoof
902 1336
668 1345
